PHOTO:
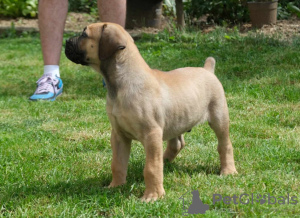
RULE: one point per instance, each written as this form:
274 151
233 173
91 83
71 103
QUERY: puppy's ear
112 39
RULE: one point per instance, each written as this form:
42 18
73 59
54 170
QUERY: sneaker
48 88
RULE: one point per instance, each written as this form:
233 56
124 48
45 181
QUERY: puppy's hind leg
219 122
173 148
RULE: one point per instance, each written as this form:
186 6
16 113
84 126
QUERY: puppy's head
97 42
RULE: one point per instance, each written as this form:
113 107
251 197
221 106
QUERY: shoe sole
48 99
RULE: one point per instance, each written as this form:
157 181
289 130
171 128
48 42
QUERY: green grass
55 156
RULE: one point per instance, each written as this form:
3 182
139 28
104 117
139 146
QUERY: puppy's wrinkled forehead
94 30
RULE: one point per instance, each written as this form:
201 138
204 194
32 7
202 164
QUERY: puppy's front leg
153 171
121 150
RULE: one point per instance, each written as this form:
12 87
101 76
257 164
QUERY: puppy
150 105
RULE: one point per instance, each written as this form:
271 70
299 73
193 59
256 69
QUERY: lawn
55 156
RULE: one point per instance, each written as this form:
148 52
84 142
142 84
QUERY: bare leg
112 11
52 17
153 171
121 150
173 148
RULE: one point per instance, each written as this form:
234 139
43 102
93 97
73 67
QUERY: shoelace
45 84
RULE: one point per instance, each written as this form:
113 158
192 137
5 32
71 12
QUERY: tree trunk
180 14
143 13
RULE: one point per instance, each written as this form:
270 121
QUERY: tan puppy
150 105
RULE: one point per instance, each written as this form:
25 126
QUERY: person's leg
112 11
52 17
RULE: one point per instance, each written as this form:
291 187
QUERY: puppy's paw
169 157
228 171
115 184
153 196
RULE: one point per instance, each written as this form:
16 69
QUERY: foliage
287 8
269 1
29 8
88 6
13 33
169 8
284 3
19 8
219 11
9 33
235 11
293 9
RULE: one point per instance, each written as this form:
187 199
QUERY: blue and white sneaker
48 88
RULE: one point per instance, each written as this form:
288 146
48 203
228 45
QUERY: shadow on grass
64 191
91 188
190 170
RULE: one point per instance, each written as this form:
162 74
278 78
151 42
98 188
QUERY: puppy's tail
210 64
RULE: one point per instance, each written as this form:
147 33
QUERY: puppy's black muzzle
73 52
